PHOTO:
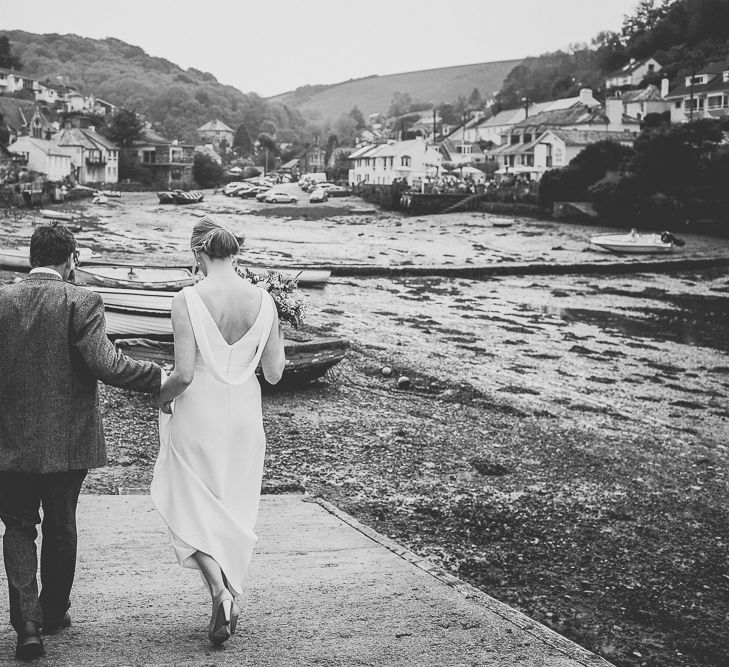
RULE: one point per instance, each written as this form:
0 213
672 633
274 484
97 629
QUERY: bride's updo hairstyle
213 239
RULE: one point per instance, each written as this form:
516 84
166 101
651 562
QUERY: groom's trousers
21 497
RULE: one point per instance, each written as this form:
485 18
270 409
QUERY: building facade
402 160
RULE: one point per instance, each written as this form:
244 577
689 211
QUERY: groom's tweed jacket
53 349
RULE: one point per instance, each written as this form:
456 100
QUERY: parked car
262 194
318 195
231 189
279 197
337 191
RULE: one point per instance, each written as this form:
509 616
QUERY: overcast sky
272 46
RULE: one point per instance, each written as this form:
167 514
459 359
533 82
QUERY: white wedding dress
207 478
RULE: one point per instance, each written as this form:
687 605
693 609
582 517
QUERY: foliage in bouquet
290 301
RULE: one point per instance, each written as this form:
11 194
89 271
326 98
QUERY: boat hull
180 197
19 260
305 360
632 243
137 278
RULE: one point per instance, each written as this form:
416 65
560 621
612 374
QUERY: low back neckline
217 327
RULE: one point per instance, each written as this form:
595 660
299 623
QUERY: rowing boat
18 259
635 243
163 279
180 197
305 360
173 279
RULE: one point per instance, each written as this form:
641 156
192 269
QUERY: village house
633 73
12 83
701 95
493 128
169 161
639 103
95 159
403 160
461 153
521 151
312 160
44 156
216 132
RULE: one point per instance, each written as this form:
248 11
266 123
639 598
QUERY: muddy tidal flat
563 443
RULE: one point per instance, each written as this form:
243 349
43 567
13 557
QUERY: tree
400 104
356 115
124 128
345 126
7 59
206 171
242 142
475 99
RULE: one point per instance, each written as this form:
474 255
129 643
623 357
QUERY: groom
53 349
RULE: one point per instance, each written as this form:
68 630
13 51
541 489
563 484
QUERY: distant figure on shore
53 350
207 479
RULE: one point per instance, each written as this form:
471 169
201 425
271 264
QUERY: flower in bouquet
290 301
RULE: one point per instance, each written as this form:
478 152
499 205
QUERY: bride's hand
166 407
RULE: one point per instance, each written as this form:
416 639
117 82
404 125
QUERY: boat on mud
173 279
635 243
120 276
305 359
180 197
18 259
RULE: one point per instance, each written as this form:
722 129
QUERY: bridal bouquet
289 300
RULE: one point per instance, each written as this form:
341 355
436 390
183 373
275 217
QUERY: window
527 138
514 139
176 174
678 104
405 161
715 101
149 157
651 68
696 104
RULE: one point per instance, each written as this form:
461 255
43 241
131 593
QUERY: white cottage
403 160
44 156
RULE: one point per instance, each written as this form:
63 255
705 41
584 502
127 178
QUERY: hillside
175 100
374 93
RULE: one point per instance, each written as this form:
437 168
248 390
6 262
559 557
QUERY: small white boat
163 279
19 259
306 277
130 312
64 216
635 243
501 222
116 194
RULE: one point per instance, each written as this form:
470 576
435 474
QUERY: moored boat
635 243
501 222
304 277
305 360
64 216
164 279
18 259
180 197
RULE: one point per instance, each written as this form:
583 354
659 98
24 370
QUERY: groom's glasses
75 257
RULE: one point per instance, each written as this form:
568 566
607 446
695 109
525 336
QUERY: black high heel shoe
220 627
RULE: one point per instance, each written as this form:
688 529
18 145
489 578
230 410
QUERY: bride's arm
180 378
273 358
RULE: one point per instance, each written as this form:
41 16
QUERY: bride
207 478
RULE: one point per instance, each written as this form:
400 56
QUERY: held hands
165 406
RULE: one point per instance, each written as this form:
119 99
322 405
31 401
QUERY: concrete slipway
323 590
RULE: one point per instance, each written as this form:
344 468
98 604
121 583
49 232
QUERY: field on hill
373 94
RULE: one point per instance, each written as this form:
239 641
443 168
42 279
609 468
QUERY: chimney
92 128
614 111
664 87
586 97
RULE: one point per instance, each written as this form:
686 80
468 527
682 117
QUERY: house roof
505 117
214 125
47 146
290 164
89 139
587 137
16 113
715 83
647 94
631 67
577 115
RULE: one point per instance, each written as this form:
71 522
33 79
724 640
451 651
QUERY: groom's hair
51 244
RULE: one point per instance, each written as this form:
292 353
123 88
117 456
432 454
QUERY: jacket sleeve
104 361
